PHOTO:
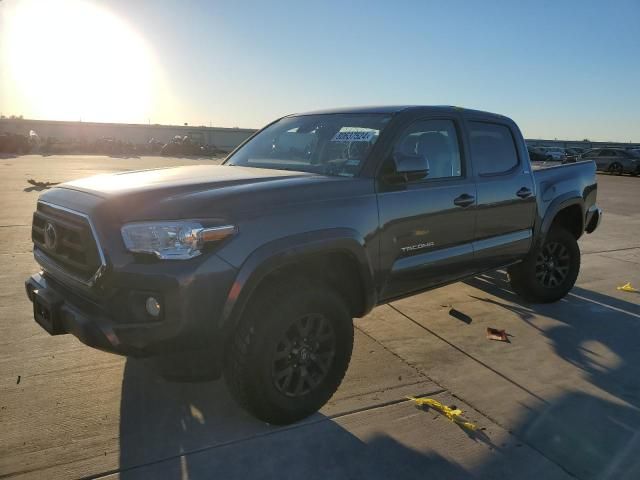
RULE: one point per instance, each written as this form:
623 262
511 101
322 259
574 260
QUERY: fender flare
556 206
278 253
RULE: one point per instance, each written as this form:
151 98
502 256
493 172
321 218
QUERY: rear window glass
493 149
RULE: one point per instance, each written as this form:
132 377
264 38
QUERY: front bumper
59 316
193 296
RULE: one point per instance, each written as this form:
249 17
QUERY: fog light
153 307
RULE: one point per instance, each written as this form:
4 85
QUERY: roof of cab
395 109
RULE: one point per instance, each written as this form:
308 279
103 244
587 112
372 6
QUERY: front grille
66 239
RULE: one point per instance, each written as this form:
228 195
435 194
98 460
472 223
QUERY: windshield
333 144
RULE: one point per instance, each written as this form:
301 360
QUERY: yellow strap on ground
455 415
627 287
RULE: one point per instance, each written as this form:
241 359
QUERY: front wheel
549 273
290 352
616 169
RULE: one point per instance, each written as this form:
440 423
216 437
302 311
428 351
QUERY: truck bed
558 181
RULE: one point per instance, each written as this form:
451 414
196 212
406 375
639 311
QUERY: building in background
139 134
222 138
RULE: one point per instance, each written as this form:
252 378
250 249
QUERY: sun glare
72 59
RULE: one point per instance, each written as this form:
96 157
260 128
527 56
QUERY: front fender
286 250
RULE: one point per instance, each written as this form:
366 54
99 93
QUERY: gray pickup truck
256 268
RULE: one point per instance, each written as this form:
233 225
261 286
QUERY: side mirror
410 167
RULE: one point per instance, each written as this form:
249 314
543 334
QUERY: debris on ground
463 317
627 287
38 184
499 335
18 381
452 413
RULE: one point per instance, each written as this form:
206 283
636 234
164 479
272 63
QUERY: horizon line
246 129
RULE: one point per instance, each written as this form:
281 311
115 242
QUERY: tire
548 274
616 169
272 368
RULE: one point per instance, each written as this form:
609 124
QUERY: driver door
427 224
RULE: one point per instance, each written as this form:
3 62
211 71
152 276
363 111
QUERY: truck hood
183 179
198 191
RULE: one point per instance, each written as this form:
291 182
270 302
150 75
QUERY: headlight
172 240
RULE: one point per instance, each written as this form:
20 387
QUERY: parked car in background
536 155
571 155
14 143
181 146
614 160
553 153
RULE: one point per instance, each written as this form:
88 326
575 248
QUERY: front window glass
437 141
332 144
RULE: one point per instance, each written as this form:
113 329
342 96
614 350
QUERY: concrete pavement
561 400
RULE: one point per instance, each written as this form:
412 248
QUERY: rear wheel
616 169
550 273
290 351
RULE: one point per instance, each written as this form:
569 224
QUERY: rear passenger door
506 193
427 223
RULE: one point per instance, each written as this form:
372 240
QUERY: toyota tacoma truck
255 268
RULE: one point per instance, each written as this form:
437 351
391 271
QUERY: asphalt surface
561 400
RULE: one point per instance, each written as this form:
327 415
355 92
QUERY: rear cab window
493 148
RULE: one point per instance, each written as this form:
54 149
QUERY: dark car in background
571 155
614 160
536 155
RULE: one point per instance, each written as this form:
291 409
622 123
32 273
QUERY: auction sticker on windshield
353 136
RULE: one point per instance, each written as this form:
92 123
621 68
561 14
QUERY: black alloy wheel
552 265
304 355
548 274
290 350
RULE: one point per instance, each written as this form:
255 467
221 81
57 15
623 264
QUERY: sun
73 59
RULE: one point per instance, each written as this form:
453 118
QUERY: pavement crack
385 404
410 365
610 251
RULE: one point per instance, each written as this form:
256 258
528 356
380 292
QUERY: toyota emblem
50 236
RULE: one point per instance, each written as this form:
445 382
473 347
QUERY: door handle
464 200
524 192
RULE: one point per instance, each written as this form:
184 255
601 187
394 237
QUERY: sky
561 69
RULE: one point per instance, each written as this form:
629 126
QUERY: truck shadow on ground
595 433
195 430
